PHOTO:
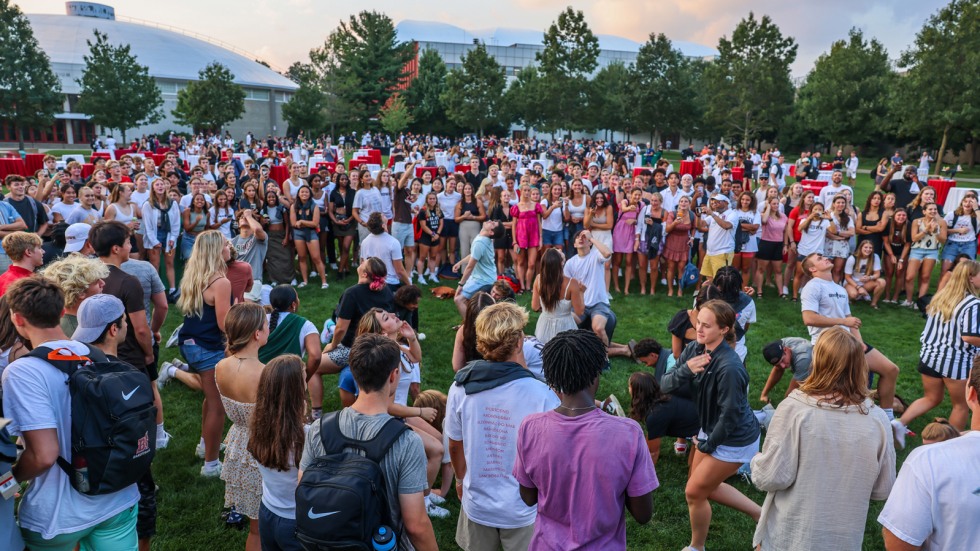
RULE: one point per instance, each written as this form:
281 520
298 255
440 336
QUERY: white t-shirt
140 197
590 270
555 221
744 317
720 240
368 200
405 380
448 202
487 423
812 240
827 299
954 222
670 200
386 248
36 398
859 273
532 356
753 217
934 501
828 192
64 209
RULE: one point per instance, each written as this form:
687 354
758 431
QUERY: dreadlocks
572 360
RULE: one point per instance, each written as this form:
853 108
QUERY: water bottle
384 539
80 465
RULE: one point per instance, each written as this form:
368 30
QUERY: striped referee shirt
943 347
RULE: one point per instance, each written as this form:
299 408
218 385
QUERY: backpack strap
375 448
66 363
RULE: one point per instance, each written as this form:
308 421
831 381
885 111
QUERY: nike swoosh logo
315 516
130 395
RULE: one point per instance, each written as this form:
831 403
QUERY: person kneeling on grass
791 353
615 474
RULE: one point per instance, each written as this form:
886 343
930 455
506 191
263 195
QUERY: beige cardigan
820 465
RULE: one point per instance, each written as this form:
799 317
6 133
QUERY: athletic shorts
771 251
403 233
927 371
677 417
714 262
450 228
733 454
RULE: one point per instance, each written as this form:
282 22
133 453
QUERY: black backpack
341 499
113 420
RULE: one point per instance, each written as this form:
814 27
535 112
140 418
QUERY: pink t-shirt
583 468
773 230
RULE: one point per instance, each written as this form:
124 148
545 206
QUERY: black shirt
903 191
129 290
356 301
34 214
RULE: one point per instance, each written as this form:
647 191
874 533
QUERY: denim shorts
954 248
733 454
277 532
924 254
554 238
346 381
305 234
600 309
471 288
200 359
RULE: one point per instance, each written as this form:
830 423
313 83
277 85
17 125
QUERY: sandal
783 296
632 346
758 295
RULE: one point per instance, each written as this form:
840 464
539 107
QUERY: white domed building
173 58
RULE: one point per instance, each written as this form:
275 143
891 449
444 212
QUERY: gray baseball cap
94 314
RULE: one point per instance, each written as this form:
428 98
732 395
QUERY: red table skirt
12 165
87 170
34 162
279 174
158 159
331 167
163 150
942 189
101 155
813 185
738 174
374 155
356 163
693 168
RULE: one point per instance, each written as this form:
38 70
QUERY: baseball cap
773 352
94 314
719 197
76 236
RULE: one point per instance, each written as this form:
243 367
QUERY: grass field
189 506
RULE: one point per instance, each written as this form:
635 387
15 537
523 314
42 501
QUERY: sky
283 31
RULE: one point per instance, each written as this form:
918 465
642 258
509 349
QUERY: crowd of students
567 226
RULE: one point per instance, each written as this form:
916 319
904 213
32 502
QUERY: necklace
563 406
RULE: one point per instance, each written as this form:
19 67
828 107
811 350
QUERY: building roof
167 54
433 31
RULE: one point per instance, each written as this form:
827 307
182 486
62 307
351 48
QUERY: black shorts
426 239
677 417
927 371
771 251
449 228
868 348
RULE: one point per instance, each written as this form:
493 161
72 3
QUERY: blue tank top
203 330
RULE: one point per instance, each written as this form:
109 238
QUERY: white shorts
733 454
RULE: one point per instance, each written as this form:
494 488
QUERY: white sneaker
313 273
199 450
301 285
164 375
163 439
434 279
421 336
172 341
436 499
293 283
179 364
325 286
435 511
785 290
899 431
213 472
422 281
333 266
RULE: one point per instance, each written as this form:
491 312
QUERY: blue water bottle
384 539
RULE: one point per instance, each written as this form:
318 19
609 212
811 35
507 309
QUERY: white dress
560 319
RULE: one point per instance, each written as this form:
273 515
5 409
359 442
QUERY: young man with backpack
366 440
54 512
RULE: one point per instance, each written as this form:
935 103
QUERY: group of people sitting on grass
514 437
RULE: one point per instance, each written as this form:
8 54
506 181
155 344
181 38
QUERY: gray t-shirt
149 280
404 466
251 251
827 299
802 352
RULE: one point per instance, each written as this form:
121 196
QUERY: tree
570 55
116 91
211 102
748 85
422 95
852 82
307 110
940 93
363 63
30 92
664 86
524 102
394 116
610 103
473 92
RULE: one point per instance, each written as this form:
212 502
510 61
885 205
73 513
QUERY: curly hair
74 274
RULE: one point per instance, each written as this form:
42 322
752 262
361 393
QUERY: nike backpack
341 499
113 420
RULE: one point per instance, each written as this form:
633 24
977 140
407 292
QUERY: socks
211 464
160 428
172 371
202 441
173 289
890 413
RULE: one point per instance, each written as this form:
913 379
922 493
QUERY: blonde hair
939 431
958 286
839 372
74 274
500 330
205 263
17 244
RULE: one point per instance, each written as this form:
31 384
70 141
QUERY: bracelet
420 412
